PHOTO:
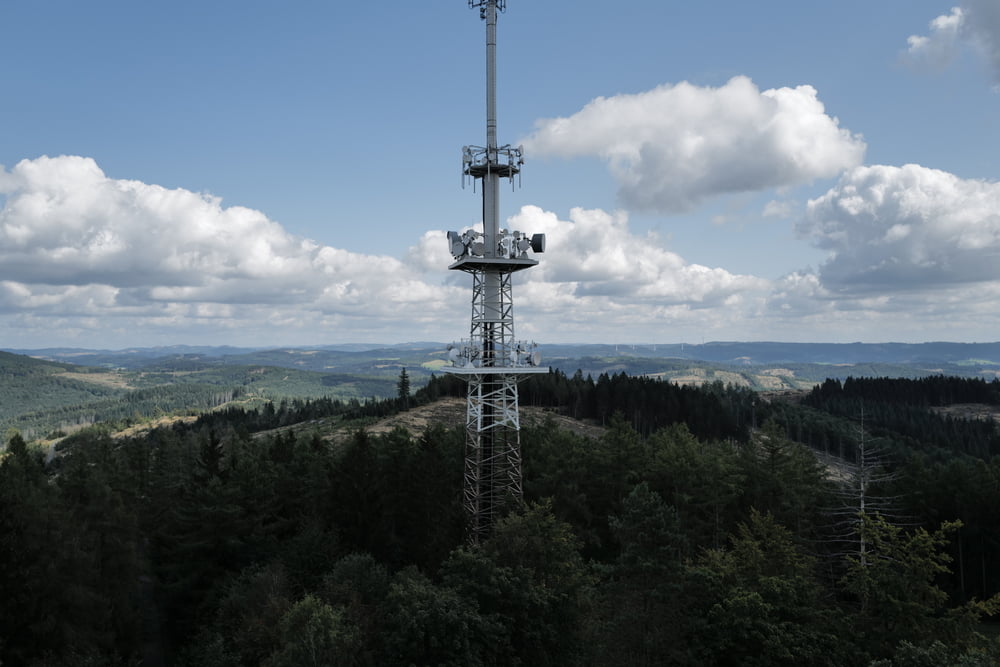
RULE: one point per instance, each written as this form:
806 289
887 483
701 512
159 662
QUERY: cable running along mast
490 359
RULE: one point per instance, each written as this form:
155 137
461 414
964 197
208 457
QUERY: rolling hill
59 388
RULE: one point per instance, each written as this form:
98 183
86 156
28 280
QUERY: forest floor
448 412
970 411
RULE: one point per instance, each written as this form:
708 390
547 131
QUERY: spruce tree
404 388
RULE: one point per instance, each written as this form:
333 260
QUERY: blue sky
261 173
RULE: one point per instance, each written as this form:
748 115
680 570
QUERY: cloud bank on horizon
96 261
83 253
80 251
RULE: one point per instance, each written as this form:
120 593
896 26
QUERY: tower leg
493 481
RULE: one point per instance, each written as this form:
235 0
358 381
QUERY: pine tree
404 388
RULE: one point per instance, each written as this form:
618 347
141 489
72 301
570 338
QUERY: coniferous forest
856 525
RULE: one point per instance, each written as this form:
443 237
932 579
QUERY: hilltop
446 412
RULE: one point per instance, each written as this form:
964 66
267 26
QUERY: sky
257 173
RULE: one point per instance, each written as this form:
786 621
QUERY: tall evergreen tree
403 388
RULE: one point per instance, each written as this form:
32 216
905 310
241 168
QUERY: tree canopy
696 530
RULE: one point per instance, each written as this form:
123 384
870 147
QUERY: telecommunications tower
491 360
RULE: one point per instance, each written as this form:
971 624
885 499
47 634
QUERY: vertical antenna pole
491 181
492 361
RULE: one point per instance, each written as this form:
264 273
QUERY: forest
855 524
41 397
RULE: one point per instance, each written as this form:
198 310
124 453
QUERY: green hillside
33 385
46 392
38 396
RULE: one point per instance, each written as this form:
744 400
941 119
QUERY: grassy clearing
111 379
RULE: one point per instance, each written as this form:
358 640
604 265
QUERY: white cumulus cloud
673 146
974 23
74 242
800 302
599 281
593 254
98 260
905 228
940 47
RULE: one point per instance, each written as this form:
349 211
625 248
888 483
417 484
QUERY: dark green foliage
649 534
247 624
358 497
702 481
530 584
962 489
647 404
403 387
783 478
586 479
68 571
398 499
426 624
893 584
640 612
897 410
934 390
360 585
313 634
769 607
681 536
937 654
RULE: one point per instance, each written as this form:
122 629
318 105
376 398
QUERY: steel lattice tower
491 360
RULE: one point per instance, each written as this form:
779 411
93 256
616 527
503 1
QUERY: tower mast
491 360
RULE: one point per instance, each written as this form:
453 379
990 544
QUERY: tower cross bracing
491 359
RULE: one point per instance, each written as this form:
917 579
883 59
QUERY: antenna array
491 360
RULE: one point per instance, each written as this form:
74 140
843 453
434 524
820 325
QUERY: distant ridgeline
808 353
47 391
352 358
